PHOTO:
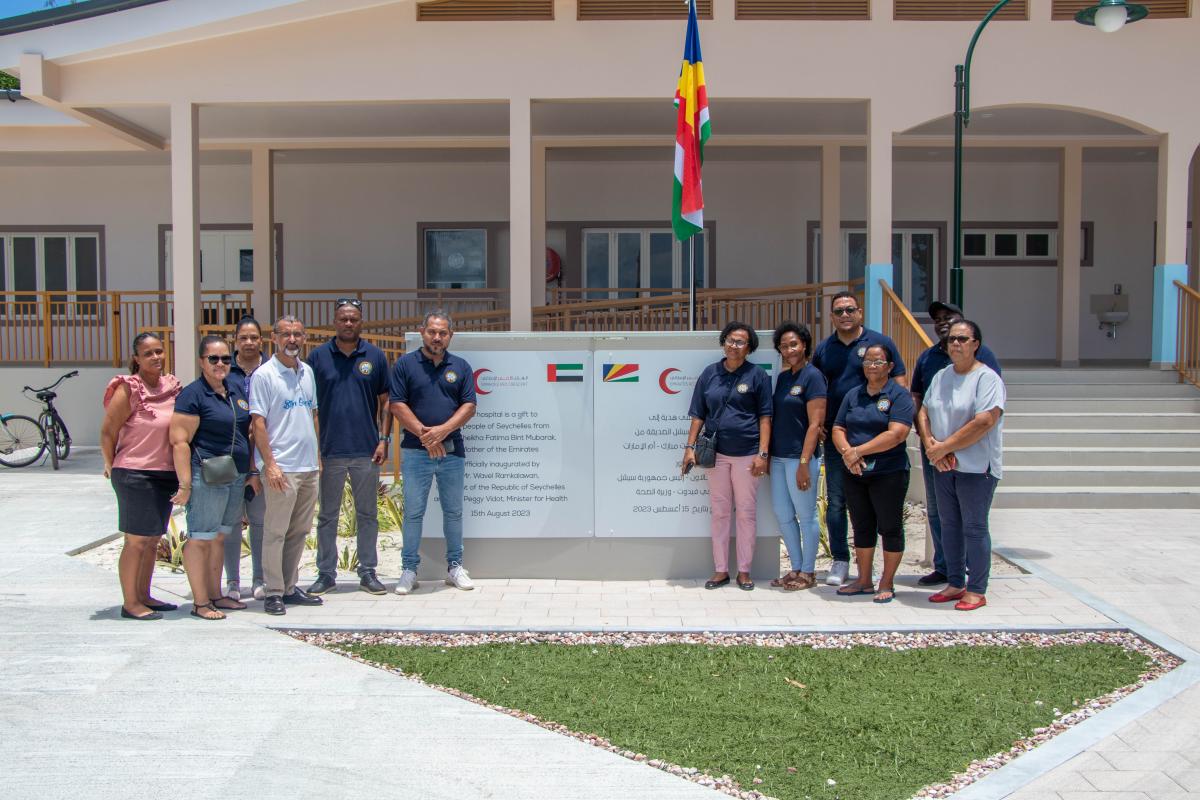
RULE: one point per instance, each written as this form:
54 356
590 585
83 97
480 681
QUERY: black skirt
144 499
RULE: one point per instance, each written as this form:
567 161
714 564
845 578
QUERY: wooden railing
93 327
1187 346
902 328
385 309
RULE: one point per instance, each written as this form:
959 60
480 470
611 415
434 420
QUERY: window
456 258
915 260
63 263
1014 244
640 259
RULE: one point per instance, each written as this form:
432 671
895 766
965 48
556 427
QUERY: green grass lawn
882 724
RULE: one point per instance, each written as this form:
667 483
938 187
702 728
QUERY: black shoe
717 584
147 616
162 606
370 584
322 585
274 605
932 579
299 597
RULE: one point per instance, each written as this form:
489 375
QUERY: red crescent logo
479 372
662 380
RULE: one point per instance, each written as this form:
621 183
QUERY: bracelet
183 488
689 447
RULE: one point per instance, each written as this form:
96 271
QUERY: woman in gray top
962 434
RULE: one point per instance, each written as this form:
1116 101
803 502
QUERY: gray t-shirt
953 400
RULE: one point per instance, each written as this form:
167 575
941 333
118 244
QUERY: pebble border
1162 662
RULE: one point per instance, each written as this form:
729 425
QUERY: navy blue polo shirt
935 359
789 426
236 371
348 389
864 416
434 392
216 431
841 364
748 390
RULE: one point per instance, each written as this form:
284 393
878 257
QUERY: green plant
391 506
246 550
348 560
170 548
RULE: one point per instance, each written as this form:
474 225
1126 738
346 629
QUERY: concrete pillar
873 294
537 235
1070 218
520 214
1175 152
185 236
879 189
262 191
832 268
1193 256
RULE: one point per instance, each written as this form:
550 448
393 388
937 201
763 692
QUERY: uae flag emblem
564 373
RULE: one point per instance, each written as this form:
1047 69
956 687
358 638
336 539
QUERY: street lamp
1108 16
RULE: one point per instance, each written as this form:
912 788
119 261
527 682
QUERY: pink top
143 441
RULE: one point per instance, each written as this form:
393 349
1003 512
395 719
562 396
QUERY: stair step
1074 420
1015 456
1120 476
1156 405
1128 391
1092 375
1097 437
1096 497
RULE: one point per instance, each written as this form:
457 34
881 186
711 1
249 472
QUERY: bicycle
23 439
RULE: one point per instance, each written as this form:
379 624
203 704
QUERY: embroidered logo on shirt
884 404
862 351
451 376
243 405
365 367
796 390
743 388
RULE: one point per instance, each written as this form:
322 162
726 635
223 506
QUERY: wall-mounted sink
1112 317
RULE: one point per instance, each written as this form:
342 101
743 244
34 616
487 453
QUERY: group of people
259 439
850 401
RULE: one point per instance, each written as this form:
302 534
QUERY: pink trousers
731 486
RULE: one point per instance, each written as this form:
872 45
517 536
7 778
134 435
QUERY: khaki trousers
288 522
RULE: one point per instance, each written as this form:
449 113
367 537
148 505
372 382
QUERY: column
537 235
1070 218
262 194
1175 153
832 268
879 213
185 236
520 214
1193 256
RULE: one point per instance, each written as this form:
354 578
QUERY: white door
226 266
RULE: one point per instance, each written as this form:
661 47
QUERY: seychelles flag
692 130
620 373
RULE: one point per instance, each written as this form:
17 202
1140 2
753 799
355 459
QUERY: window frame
68 308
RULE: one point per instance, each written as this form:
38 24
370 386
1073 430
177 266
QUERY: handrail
902 327
1187 344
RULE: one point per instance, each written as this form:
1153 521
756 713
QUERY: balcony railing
1187 347
902 328
386 308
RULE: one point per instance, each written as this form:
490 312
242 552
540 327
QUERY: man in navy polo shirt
433 397
840 359
930 363
352 403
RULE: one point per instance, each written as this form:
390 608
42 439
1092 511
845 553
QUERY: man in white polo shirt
283 409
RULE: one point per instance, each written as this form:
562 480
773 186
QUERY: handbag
705 448
222 470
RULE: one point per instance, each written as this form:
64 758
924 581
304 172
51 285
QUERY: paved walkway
237 702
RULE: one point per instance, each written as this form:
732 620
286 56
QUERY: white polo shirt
287 398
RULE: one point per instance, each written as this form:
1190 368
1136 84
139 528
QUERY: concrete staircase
1100 438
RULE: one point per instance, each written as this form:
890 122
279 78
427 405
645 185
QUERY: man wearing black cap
930 363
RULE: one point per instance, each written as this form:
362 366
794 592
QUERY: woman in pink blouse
137 459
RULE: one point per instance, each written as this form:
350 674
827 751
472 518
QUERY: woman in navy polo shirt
870 432
799 397
733 399
212 418
247 357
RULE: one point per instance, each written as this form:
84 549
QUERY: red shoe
963 605
944 596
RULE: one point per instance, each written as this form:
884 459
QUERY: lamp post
1108 16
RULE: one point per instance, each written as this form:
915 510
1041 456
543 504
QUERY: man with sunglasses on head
840 360
352 394
930 363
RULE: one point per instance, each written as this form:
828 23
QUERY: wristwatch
385 438
764 454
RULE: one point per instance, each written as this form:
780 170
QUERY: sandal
890 593
785 579
208 607
234 605
800 583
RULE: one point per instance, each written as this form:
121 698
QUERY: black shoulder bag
222 470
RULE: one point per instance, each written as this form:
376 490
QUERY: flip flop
891 595
855 593
238 605
155 606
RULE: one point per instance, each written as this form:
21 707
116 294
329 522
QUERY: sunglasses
960 339
844 312
219 359
348 301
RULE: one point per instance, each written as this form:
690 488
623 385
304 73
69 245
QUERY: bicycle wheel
63 439
22 441
51 433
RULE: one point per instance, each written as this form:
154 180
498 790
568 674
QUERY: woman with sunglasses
211 421
247 357
870 432
962 425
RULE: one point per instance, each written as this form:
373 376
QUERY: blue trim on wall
873 295
1166 312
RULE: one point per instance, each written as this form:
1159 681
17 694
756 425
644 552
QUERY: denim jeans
419 472
836 520
254 512
964 500
212 511
364 485
931 513
790 503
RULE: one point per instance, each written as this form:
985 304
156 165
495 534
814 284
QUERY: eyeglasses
219 359
844 312
960 339
348 301
878 363
737 344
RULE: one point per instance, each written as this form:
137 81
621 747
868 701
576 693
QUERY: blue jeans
254 511
790 503
836 520
419 471
931 513
964 500
213 510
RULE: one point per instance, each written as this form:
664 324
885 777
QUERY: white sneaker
233 590
259 592
838 573
459 578
408 582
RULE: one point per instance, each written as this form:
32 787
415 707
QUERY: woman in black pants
870 432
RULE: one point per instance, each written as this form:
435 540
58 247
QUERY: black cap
938 305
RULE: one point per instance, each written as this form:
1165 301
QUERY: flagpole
692 290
